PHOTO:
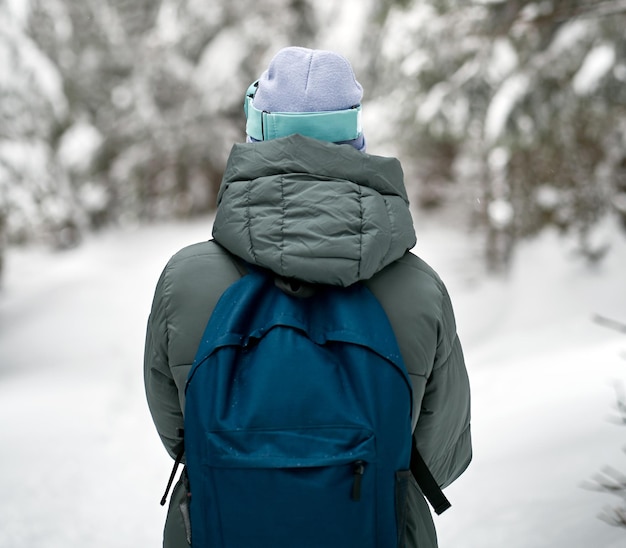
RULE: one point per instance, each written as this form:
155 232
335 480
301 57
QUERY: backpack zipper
358 468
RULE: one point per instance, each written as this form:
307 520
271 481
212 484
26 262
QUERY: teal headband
333 126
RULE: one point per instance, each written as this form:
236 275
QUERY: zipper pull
357 470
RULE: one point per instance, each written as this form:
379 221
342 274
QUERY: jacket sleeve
161 390
443 429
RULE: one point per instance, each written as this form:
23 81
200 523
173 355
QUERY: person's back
309 209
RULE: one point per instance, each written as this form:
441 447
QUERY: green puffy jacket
321 213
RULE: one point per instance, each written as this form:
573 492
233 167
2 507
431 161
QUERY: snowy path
81 464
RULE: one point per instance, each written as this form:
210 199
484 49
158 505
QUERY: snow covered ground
81 465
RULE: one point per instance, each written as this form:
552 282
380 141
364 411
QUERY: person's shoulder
202 259
411 261
198 251
201 253
199 271
411 273
410 286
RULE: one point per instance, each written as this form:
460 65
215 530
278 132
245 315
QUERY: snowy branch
610 323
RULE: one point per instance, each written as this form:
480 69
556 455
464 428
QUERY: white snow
29 158
218 69
81 464
29 67
431 106
500 213
548 197
597 64
94 197
568 38
503 102
18 10
122 96
78 145
498 159
168 28
504 60
342 25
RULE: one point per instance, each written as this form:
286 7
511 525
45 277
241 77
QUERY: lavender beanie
307 80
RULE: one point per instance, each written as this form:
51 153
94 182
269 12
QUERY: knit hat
307 81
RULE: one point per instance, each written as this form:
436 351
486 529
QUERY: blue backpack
298 421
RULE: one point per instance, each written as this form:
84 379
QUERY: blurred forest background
509 116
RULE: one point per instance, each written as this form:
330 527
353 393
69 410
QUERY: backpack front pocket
315 487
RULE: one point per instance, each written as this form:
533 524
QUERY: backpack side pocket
403 478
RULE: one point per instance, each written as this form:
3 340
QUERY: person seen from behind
307 202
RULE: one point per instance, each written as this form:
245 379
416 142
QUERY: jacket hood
314 211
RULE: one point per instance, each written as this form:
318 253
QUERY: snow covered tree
520 116
35 196
124 109
508 111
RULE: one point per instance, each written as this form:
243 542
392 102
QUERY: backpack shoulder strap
179 458
426 481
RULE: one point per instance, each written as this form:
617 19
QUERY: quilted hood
314 211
